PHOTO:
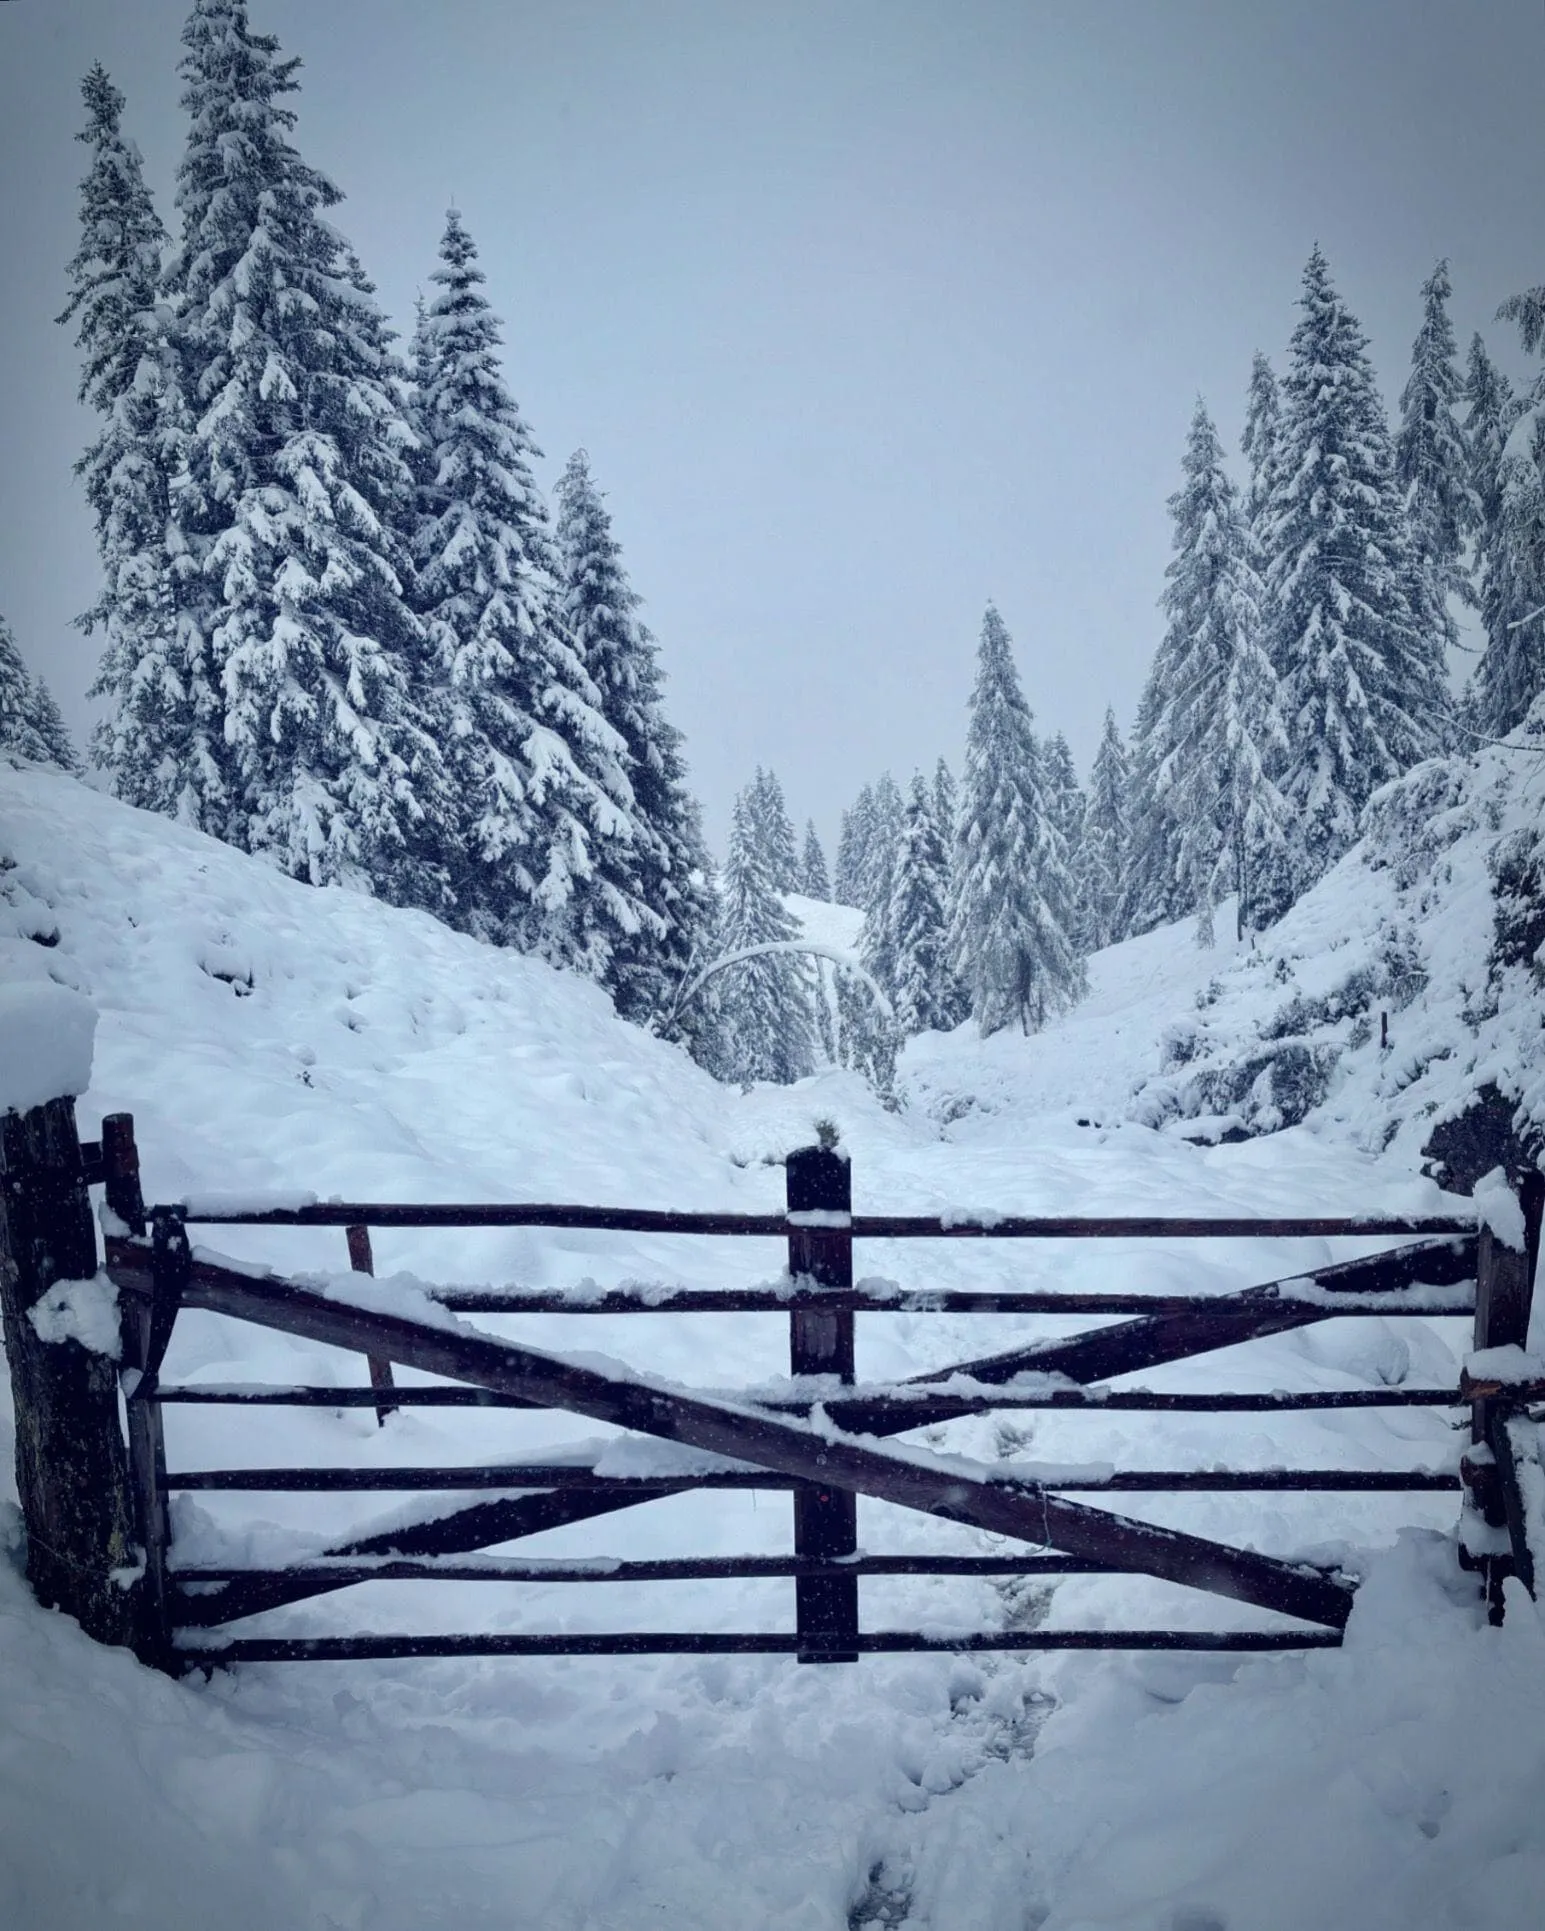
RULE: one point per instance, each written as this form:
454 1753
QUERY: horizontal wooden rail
649 1220
343 1481
924 1300
894 1416
339 1649
674 1569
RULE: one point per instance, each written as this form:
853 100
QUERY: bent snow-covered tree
1010 939
765 1011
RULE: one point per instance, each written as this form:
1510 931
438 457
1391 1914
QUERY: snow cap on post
46 1037
1499 1209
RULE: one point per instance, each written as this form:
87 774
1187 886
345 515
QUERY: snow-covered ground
267 1036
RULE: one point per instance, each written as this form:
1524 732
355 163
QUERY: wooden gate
826 1441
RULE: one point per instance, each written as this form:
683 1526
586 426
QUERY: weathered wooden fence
91 1486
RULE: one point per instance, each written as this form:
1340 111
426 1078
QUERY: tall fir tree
852 850
1010 937
1104 846
916 921
663 868
1363 684
128 377
945 807
1511 673
1258 446
30 724
1064 795
310 744
944 802
1216 733
1432 466
814 880
1153 889
776 830
877 874
765 1003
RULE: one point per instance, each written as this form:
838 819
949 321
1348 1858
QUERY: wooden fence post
820 1207
1504 1293
147 1328
72 1474
362 1260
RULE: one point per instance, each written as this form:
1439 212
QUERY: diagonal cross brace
1122 1347
1125 1347
814 1450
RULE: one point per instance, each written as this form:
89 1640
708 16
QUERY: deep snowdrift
266 1036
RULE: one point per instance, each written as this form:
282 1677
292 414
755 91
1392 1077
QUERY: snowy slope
270 1036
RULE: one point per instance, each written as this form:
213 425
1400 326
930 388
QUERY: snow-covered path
267 1036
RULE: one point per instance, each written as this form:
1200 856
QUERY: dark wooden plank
787 1446
340 1574
91 1162
337 1649
481 1526
1131 1346
73 1479
362 1261
493 1475
819 1192
1503 1303
562 1475
864 1227
897 1417
120 1172
873 1298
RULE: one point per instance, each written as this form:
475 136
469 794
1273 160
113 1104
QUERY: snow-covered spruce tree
957 1000
944 803
1103 845
1363 686
156 735
916 921
852 845
814 880
1216 734
776 830
1511 672
764 1003
1432 466
289 571
877 874
1064 797
30 724
1258 445
1152 890
1009 938
663 869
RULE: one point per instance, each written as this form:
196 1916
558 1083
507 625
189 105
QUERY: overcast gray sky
867 310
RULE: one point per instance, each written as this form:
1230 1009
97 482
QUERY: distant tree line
1302 665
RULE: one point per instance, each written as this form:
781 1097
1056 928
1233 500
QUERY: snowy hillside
266 1035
